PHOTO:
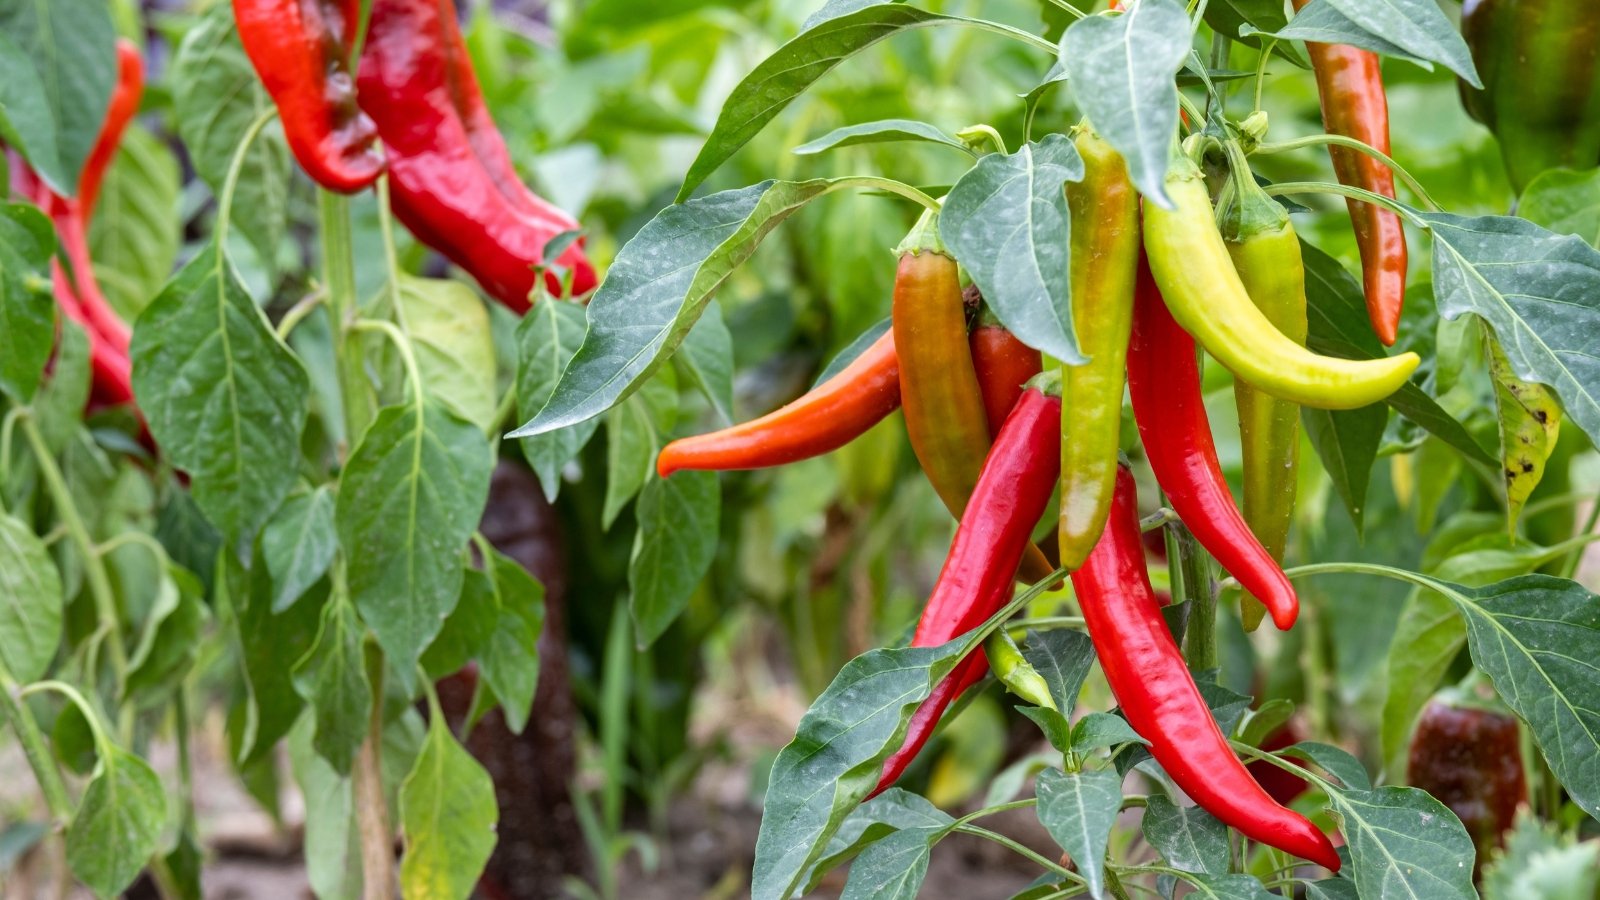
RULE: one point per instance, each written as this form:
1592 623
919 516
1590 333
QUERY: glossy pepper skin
1350 85
451 179
827 417
1539 61
1196 275
1469 757
1164 383
300 50
1105 254
1266 254
977 578
1159 697
1003 365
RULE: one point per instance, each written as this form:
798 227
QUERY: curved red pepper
300 50
825 418
1350 84
452 183
979 573
1164 384
1152 684
1004 366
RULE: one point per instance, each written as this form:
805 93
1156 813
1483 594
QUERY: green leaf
791 69
1336 762
1324 23
332 840
1336 313
1006 222
135 233
1404 843
893 810
1347 443
636 430
1063 658
679 523
448 813
118 823
852 351
882 131
658 286
27 315
1231 887
1564 201
268 643
547 339
298 544
1187 837
223 396
71 45
1098 729
1540 292
1538 861
1122 70
411 494
837 756
1078 809
26 119
1417 26
1429 637
30 602
706 358
449 331
169 639
892 868
509 661
216 98
468 628
332 677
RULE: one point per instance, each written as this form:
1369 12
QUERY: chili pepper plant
1116 373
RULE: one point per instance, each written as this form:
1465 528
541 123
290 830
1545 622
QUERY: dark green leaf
706 357
27 313
71 46
30 602
1006 222
850 353
1187 837
890 811
412 493
169 639
1322 22
118 823
332 678
836 757
269 644
1122 70
1336 762
1063 658
1417 26
677 539
448 813
1347 443
636 430
298 544
1404 843
223 396
1230 887
1078 809
1539 292
449 331
26 119
468 628
882 131
1098 729
509 660
892 868
547 338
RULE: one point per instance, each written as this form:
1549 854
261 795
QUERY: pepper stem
923 236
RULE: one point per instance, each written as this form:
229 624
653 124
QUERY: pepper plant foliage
1535 292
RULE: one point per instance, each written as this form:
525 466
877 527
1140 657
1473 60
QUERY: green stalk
35 750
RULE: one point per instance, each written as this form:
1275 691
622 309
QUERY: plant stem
1569 568
1200 638
94 567
33 747
372 808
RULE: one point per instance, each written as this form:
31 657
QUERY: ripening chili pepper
826 418
1014 671
1164 384
977 578
451 179
1003 365
1159 697
301 52
1350 84
125 97
1105 253
939 392
1266 254
1539 61
1468 755
1201 287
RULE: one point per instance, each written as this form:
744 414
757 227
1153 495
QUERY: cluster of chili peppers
414 92
996 436
77 293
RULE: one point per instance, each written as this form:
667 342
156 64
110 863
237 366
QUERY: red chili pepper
978 575
1159 697
1350 83
1164 384
125 97
1004 365
452 182
825 418
301 51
